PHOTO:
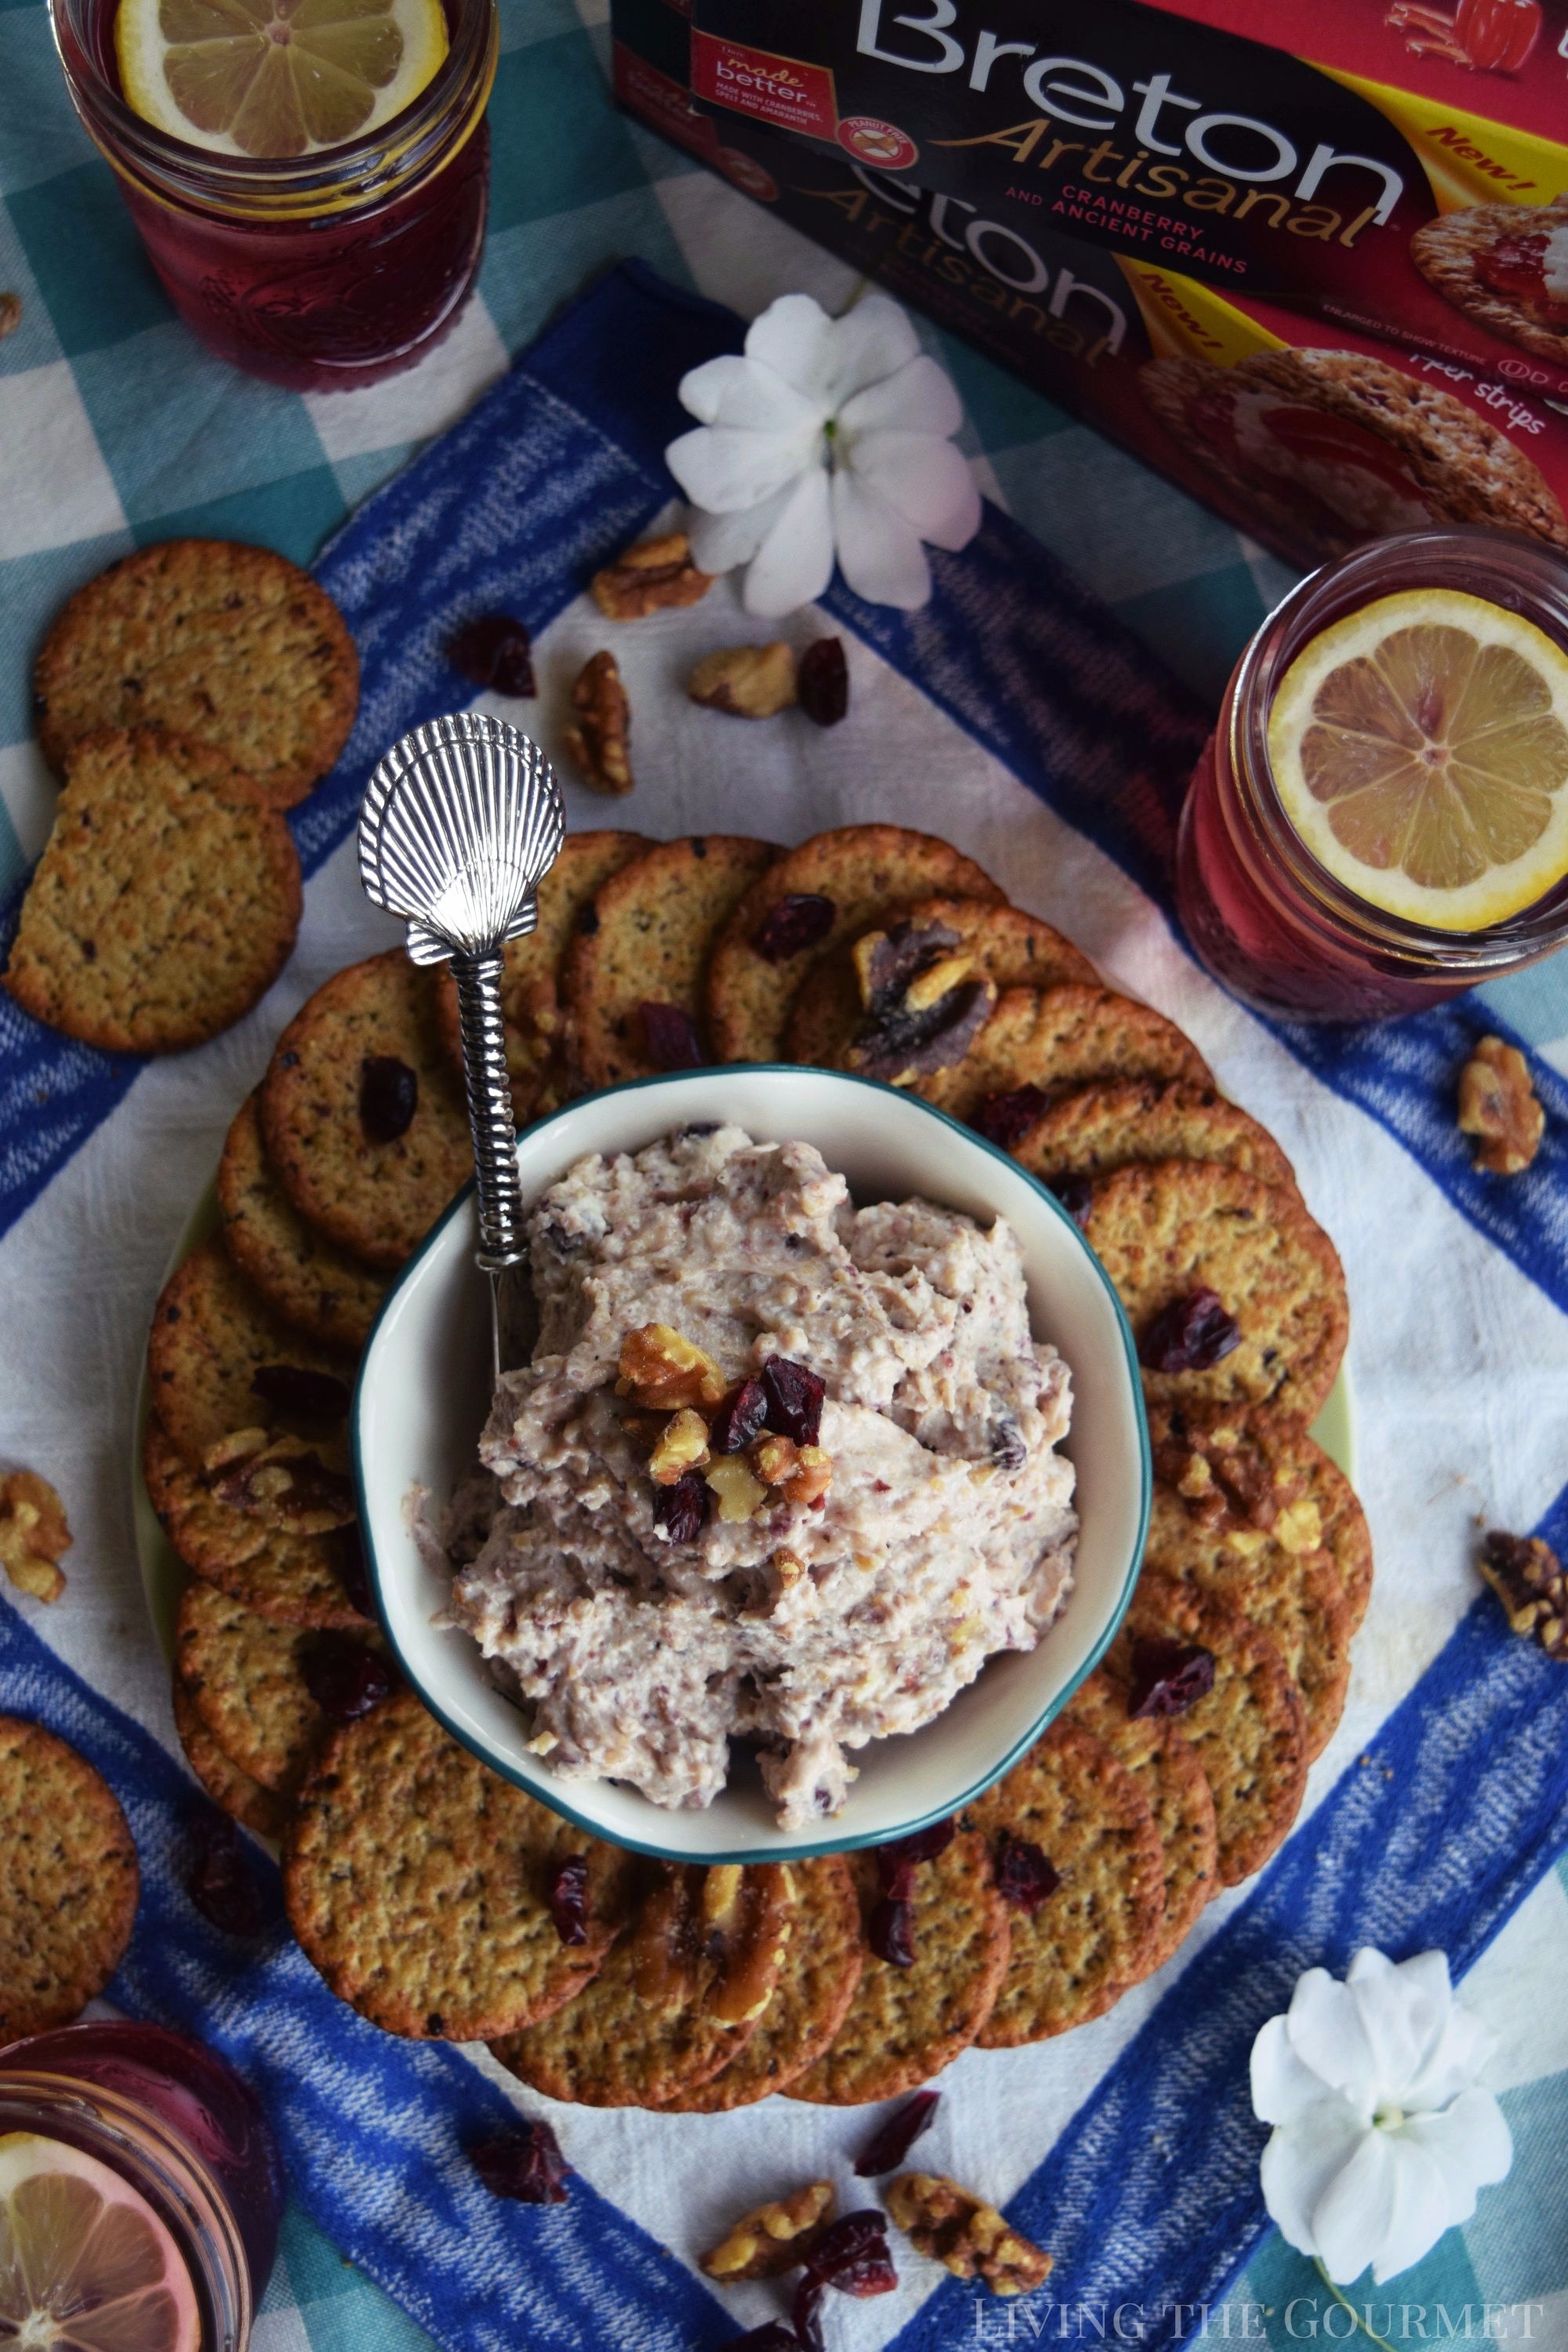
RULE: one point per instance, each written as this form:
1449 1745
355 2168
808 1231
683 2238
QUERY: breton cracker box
1380 163
1306 433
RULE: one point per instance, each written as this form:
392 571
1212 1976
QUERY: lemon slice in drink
86 2265
1420 747
275 77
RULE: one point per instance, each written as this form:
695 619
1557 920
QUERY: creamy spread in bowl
781 1469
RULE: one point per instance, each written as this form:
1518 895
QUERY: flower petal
1301 2161
735 391
794 337
1473 2142
1283 2088
919 398
879 553
872 341
723 470
1327 2034
1403 2010
926 480
721 541
1423 2207
1351 2219
795 562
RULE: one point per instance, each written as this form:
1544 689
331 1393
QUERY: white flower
1381 2137
829 436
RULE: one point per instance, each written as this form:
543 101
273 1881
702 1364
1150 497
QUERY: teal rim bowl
423 1394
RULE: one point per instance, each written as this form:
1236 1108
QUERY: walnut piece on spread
969 2236
773 2238
1496 1103
1527 1577
34 1532
599 739
662 1371
652 576
740 1495
748 681
682 1445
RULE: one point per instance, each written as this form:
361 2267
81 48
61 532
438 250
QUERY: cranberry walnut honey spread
781 1469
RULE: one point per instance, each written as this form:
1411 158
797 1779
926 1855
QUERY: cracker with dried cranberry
1247 1727
631 981
297 1579
308 1279
250 1679
1452 250
1094 1927
907 2021
1054 1038
231 1790
1234 1295
1171 1781
362 1113
813 900
687 1984
817 1978
539 1057
213 1339
68 1881
1095 1129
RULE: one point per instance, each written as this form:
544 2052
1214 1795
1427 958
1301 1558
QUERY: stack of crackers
439 1900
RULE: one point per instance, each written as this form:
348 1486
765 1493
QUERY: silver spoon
461 822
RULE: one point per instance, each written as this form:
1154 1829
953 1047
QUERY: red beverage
323 270
167 2117
1261 912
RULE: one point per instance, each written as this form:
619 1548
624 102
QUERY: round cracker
165 903
867 871
684 1989
243 1673
68 1881
1447 251
416 1881
1247 1731
1095 1129
1171 1227
376 1200
295 1579
654 922
538 1049
821 1968
232 1790
211 1333
1165 1765
1097 1931
1060 1037
309 1281
904 2025
232 646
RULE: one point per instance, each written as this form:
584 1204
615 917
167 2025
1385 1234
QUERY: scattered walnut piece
682 1446
284 1481
654 575
1497 1102
34 1532
10 314
662 1371
965 2234
775 2238
599 740
1527 1577
748 681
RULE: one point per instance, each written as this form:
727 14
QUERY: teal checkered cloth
117 430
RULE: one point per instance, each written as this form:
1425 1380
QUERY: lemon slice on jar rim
1420 748
275 77
85 2262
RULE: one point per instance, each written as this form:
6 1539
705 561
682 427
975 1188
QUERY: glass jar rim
1506 568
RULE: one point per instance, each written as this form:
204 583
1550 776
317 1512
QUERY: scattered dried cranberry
741 1417
568 1898
493 650
526 2166
804 2314
1025 1875
892 2140
851 2255
219 1882
309 1396
896 1864
892 1932
1190 1334
801 919
1006 1119
351 1573
344 1678
671 1037
773 2335
1168 1676
1075 1195
680 1511
822 681
793 1398
388 1096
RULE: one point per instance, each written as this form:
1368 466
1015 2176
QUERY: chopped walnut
662 1371
775 1459
1527 1577
10 314
773 2238
649 577
741 1496
812 1478
1497 1102
748 681
286 1482
1217 1473
924 1008
599 740
682 1446
34 1532
968 2236
239 1446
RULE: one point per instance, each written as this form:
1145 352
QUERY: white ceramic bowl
422 1398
